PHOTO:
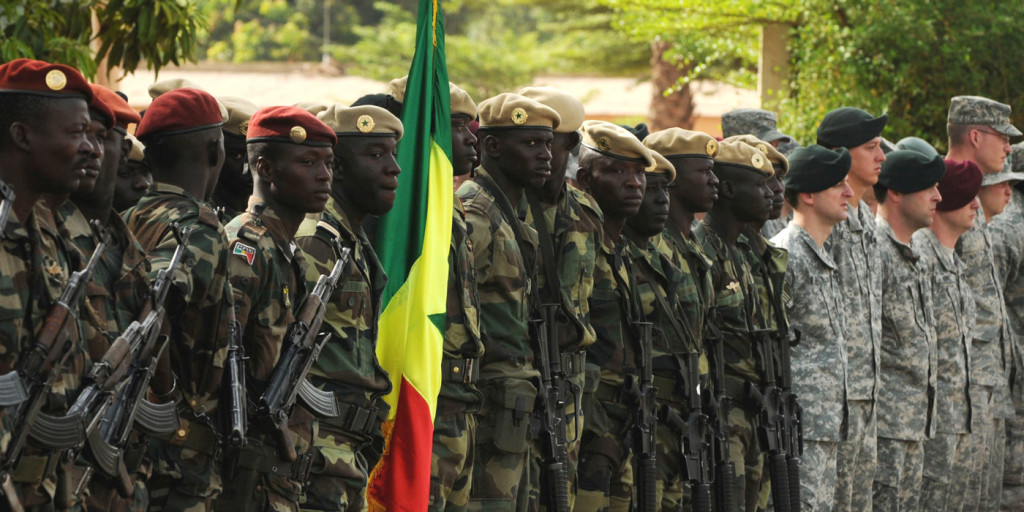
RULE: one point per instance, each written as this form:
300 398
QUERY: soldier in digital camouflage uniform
852 246
364 184
44 144
572 222
817 190
947 456
762 125
907 193
979 130
235 182
184 146
515 134
290 157
612 163
676 347
1007 229
133 176
743 198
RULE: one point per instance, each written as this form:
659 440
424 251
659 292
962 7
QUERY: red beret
180 111
960 185
122 113
289 124
28 76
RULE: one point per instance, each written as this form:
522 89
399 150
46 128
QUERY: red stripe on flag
407 459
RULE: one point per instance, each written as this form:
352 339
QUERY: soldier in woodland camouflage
817 189
184 146
133 176
364 184
947 456
612 163
907 194
979 130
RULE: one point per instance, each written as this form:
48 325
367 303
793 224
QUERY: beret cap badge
762 148
603 144
757 160
519 115
365 123
243 127
297 134
56 80
712 147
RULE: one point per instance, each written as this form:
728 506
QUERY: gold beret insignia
519 115
603 144
712 147
243 127
56 80
757 160
762 148
365 123
298 134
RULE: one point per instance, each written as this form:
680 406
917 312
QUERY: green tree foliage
131 32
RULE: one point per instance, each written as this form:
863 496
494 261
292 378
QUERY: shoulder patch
251 232
245 251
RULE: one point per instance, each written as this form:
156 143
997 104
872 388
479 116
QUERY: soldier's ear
492 146
725 189
263 169
19 133
583 178
573 140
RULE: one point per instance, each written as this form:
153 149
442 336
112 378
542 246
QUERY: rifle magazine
12 389
58 432
157 419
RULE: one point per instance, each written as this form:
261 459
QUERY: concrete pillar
773 65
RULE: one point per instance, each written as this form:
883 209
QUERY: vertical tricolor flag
412 243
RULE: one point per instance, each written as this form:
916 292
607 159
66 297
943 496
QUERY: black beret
908 171
815 168
849 127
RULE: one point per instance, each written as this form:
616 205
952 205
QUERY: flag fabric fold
412 244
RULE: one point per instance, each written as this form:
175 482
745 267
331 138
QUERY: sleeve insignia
249 253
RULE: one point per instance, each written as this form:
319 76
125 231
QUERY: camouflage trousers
746 455
451 464
184 480
573 434
501 464
818 475
605 472
856 458
1013 471
898 476
988 443
671 485
947 464
338 479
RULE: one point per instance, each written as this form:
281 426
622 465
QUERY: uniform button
259 488
351 301
455 369
181 432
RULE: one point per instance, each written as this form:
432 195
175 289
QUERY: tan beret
615 141
741 154
138 151
663 166
774 155
508 110
396 88
568 107
240 110
158 88
361 120
677 142
461 102
311 106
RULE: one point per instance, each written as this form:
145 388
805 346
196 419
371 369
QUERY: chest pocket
353 303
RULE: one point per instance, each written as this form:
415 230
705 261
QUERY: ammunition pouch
460 371
574 363
512 402
33 469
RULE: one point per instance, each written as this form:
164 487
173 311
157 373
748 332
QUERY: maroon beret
122 113
960 185
180 111
289 124
28 76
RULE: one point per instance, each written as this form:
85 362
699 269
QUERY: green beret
983 111
816 168
662 166
907 171
849 127
363 120
568 107
509 110
917 144
240 110
774 156
615 141
743 156
680 143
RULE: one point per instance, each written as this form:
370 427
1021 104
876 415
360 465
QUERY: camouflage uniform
852 246
451 467
906 408
119 287
740 312
185 476
507 376
348 365
605 474
819 362
990 396
1008 244
575 227
772 227
947 456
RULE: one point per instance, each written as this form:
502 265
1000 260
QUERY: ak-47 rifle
6 202
300 349
726 497
770 427
645 424
141 345
39 367
695 434
551 410
237 419
792 413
